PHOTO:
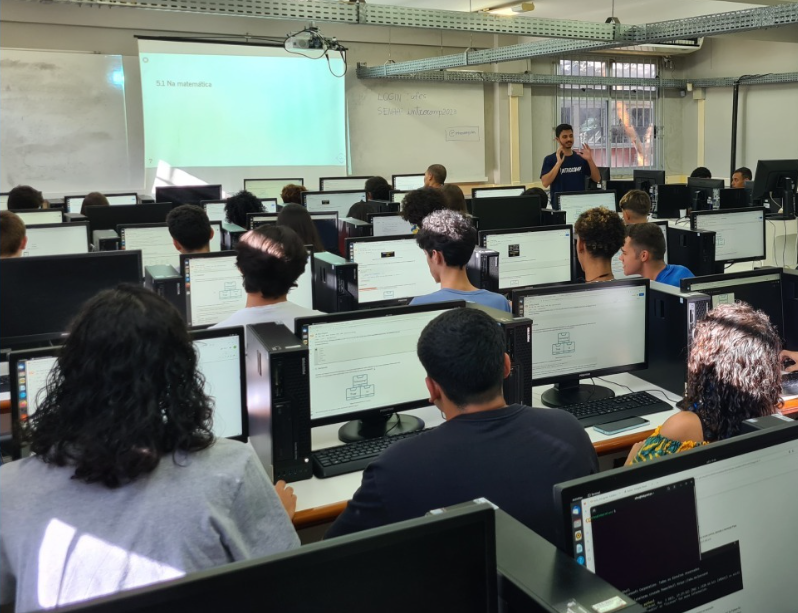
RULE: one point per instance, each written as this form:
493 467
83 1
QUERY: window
619 122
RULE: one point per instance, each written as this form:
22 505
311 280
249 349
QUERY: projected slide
210 105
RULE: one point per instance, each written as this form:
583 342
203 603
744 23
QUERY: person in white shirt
271 259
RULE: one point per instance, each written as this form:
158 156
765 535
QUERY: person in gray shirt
127 485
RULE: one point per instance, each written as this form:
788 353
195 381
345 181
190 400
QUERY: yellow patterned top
657 445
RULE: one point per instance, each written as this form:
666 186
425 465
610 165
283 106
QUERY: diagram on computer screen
564 344
360 388
230 291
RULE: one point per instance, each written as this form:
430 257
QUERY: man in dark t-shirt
565 170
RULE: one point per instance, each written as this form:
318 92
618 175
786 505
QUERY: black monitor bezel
120 226
590 192
750 209
176 187
65 224
530 200
204 204
68 207
612 185
39 212
483 235
252 216
408 174
182 271
653 173
389 311
117 211
736 194
768 168
323 179
206 333
668 186
685 285
587 287
475 194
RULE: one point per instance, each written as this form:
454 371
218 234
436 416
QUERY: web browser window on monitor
390 270
532 258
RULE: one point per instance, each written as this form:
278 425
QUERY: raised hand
560 154
586 152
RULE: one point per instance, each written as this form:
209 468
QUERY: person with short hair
377 188
296 217
419 203
455 200
511 455
565 169
292 194
435 176
271 258
126 484
24 198
702 172
93 199
599 236
12 235
733 374
540 193
643 253
635 206
448 240
190 229
237 206
740 176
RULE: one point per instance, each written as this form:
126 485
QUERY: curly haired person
600 234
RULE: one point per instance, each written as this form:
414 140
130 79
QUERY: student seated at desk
12 235
511 455
635 207
448 240
271 259
435 176
128 485
296 217
733 374
236 207
292 193
455 200
24 198
740 176
419 203
377 188
540 193
702 172
190 229
643 253
599 236
93 199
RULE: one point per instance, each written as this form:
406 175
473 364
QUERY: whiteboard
64 124
399 127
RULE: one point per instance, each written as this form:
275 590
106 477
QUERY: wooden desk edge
318 515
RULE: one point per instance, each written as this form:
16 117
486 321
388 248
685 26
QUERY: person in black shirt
511 455
565 170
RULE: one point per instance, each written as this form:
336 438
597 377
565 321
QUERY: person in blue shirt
448 239
643 253
565 170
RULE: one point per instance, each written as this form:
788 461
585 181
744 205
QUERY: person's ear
435 393
508 366
213 233
178 246
23 244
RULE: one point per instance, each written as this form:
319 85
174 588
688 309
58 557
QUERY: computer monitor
74 203
496 192
57 239
3 201
506 212
156 243
326 223
531 256
704 192
740 233
109 217
407 183
339 201
575 335
620 187
214 288
732 198
646 179
187 194
363 367
390 271
604 176
328 184
215 210
259 219
397 196
775 179
761 288
41 295
617 266
40 216
576 203
270 188
673 200
703 513
389 224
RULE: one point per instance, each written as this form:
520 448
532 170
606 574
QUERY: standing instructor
565 170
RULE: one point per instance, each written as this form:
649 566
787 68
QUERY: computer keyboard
608 410
354 457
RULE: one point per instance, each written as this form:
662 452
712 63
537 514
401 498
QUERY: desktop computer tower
672 316
694 249
334 283
483 269
550 217
105 240
165 281
230 235
789 297
278 401
518 338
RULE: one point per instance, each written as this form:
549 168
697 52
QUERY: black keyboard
354 457
608 410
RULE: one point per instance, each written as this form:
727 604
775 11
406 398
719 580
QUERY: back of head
733 371
296 217
455 200
745 172
701 172
540 193
126 391
602 232
563 127
462 350
12 233
638 203
377 188
437 173
271 259
93 199
189 225
292 193
451 234
419 203
361 211
24 198
647 236
237 207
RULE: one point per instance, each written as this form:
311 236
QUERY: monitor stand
572 392
378 427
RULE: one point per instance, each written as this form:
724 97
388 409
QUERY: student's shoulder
684 426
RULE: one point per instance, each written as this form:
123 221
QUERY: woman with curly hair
733 374
600 234
236 207
292 194
128 485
